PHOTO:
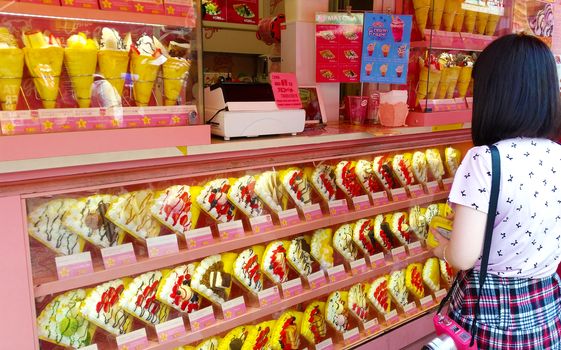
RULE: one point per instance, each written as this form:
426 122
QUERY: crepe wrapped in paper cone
11 71
379 296
363 236
337 311
397 288
419 167
453 80
452 159
323 180
45 66
213 277
247 269
459 20
175 289
175 71
414 280
259 336
431 274
113 66
417 222
481 22
235 338
434 160
314 328
321 248
357 301
446 272
464 78
286 335
343 242
450 9
299 255
274 261
492 24
428 79
446 61
80 58
421 14
469 21
145 71
435 13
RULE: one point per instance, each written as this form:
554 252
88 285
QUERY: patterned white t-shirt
527 233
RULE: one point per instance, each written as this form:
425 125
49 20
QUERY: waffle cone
492 24
459 20
469 21
81 65
464 80
11 71
450 9
454 75
421 14
428 83
145 75
174 71
45 66
481 22
435 13
113 65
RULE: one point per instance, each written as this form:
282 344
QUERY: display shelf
459 118
254 313
441 40
32 9
147 264
226 25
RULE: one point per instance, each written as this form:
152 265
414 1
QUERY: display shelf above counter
441 40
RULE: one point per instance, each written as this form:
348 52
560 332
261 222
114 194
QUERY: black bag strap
491 214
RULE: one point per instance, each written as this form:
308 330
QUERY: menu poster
231 11
385 48
338 46
214 10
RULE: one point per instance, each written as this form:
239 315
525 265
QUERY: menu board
231 11
338 46
385 48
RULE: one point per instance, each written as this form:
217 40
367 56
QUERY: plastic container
356 109
393 108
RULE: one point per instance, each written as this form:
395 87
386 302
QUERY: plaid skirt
515 313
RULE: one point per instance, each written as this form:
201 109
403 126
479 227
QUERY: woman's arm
466 242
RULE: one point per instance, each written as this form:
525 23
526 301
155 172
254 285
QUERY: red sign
285 89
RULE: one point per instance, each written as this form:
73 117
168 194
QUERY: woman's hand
442 243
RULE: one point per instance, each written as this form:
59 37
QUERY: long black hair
515 91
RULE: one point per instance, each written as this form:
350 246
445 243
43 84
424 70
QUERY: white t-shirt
527 232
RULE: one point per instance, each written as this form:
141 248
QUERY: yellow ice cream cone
469 21
450 9
80 65
459 20
435 13
481 22
492 24
144 75
174 71
113 65
454 75
464 80
45 65
428 83
421 14
11 71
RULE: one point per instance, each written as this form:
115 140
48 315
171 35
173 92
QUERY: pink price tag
268 296
90 347
358 266
118 256
416 191
336 273
399 254
399 194
73 265
361 202
317 279
351 336
377 260
327 344
440 295
415 248
391 318
170 330
285 90
312 212
447 184
231 230
261 224
372 327
201 319
338 207
380 198
292 288
411 309
433 187
427 302
136 340
233 308
289 217
199 237
163 245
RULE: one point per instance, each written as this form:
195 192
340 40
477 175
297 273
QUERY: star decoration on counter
228 314
64 272
146 120
154 252
170 10
106 4
48 125
192 243
139 8
10 128
175 119
82 123
110 262
115 123
164 337
69 2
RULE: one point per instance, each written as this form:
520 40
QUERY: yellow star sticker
145 120
225 235
124 347
10 128
228 314
115 123
175 119
257 229
196 325
313 285
106 4
64 272
332 278
171 10
288 294
164 337
264 302
139 8
69 2
48 125
284 222
154 251
192 243
82 123
110 262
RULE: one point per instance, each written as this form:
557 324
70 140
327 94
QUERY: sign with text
202 318
170 330
118 255
261 224
231 230
289 217
136 340
269 296
233 308
162 245
338 206
199 237
73 265
285 90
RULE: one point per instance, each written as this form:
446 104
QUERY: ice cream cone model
492 24
464 78
378 295
450 9
431 274
80 59
459 20
414 280
43 58
481 22
452 159
428 79
421 14
11 70
435 13
469 21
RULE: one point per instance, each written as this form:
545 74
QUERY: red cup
356 109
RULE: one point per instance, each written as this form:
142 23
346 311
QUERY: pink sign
153 7
199 237
231 230
416 191
289 217
391 318
87 4
399 253
336 273
399 194
19 122
292 288
372 327
269 296
285 89
377 260
233 308
180 8
338 207
427 302
351 336
327 344
73 265
433 187
136 340
358 266
170 330
380 198
440 294
201 319
312 212
163 245
118 256
447 184
415 248
317 279
361 202
411 309
261 224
